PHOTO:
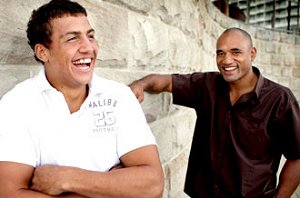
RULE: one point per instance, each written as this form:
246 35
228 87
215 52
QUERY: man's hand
153 83
49 179
137 88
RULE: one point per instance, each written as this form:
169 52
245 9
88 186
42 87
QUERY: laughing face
235 55
69 61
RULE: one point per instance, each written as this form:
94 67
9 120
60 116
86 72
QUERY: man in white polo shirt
63 131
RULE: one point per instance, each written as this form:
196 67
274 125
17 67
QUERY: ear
253 54
41 52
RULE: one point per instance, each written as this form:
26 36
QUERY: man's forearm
157 83
140 181
142 176
289 179
27 193
153 83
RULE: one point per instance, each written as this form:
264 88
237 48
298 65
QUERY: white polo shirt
37 127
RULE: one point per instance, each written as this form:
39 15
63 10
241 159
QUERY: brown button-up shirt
236 149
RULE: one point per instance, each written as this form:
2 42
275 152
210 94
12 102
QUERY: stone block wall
162 36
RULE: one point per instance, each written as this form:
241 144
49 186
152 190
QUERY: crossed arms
141 176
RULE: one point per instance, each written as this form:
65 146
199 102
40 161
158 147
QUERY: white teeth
83 61
229 68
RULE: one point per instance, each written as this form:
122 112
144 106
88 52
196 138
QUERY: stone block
174 132
296 92
208 62
11 75
298 43
297 63
148 46
260 46
175 170
264 58
15 50
285 81
142 6
289 60
287 72
283 48
183 51
263 34
14 16
287 38
208 43
295 83
275 36
178 13
276 59
111 25
106 73
276 70
272 47
297 193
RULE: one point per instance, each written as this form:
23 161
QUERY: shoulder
279 97
278 90
109 87
197 78
21 93
19 104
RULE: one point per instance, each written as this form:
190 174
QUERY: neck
75 97
242 86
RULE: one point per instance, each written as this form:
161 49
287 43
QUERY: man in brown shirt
245 123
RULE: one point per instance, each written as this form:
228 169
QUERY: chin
230 80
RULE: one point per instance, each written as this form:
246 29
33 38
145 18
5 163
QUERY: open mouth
83 64
229 68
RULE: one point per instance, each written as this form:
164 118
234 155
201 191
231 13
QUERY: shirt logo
104 114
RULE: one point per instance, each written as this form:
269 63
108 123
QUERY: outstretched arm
289 179
141 176
153 83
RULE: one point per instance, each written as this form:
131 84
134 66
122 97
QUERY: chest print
104 115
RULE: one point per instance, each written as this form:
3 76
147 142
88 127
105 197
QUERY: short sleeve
134 132
16 144
289 125
190 90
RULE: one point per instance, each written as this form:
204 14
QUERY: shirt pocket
251 136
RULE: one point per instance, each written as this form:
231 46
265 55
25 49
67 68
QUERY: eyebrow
77 33
235 49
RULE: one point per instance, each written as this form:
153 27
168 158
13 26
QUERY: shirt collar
259 83
254 95
43 83
98 85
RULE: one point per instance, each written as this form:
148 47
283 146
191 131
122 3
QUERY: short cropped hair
246 34
39 29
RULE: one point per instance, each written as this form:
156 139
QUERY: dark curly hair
39 29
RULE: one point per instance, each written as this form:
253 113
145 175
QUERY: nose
87 45
227 59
